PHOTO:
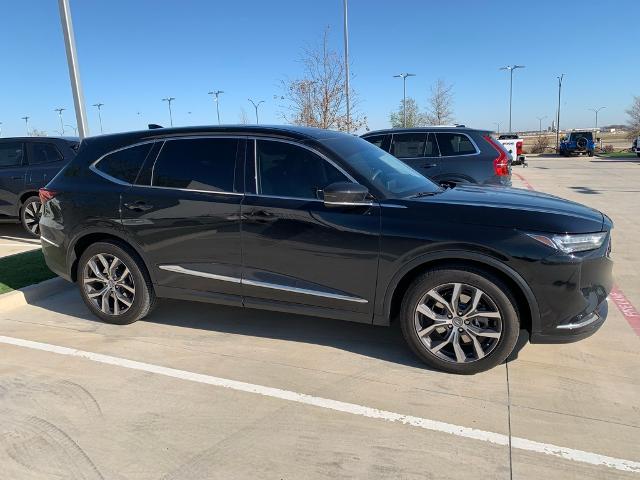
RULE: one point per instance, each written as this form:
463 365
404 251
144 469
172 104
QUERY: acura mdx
323 223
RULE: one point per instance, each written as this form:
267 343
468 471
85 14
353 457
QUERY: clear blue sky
135 52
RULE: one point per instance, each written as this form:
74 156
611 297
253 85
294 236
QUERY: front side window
43 153
286 170
409 145
197 164
11 154
452 144
124 165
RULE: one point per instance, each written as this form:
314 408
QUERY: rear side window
11 154
377 140
40 153
452 144
409 145
124 165
197 164
431 147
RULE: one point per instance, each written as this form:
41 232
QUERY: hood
513 208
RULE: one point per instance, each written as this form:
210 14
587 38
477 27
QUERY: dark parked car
26 164
448 154
323 223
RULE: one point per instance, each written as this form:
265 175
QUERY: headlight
572 243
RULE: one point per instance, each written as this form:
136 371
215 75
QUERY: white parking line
351 408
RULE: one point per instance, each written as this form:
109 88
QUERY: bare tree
318 97
415 118
440 109
37 133
634 118
244 118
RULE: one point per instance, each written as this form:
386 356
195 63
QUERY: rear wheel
114 283
30 215
459 320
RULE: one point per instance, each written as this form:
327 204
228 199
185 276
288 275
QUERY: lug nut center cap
457 321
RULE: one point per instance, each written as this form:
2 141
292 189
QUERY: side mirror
345 194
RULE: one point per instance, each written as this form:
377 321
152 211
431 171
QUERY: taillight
519 148
501 163
45 195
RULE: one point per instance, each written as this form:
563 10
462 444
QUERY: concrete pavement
14 239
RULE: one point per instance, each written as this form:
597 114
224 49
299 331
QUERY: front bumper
579 329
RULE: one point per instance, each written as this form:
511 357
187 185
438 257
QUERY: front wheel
30 214
114 283
459 320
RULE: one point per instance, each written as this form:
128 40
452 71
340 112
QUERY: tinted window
286 170
576 136
125 164
392 177
409 145
10 154
454 144
431 147
43 153
197 164
376 140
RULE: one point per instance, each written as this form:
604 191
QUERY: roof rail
153 126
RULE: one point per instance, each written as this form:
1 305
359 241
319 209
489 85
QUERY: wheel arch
23 196
527 304
88 237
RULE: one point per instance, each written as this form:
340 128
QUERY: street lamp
26 122
511 68
560 78
169 100
256 105
498 124
0 129
217 100
75 129
99 106
540 123
404 76
346 63
596 110
60 110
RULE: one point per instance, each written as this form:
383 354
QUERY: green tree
415 118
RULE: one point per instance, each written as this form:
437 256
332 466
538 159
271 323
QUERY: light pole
26 122
498 124
99 107
540 123
60 110
74 128
74 71
169 100
560 78
256 105
0 129
404 76
346 63
511 68
596 110
217 93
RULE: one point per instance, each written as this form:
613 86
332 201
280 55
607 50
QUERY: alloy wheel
458 322
108 284
31 216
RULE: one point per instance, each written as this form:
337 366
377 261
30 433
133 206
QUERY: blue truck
579 143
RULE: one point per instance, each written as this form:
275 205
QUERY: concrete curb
27 295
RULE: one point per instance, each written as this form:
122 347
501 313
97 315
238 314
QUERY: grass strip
17 271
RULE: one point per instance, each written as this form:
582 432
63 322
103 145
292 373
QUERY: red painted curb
628 310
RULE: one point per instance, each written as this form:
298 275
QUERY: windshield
577 135
385 172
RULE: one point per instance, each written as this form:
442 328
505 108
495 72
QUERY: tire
136 297
590 153
30 213
495 299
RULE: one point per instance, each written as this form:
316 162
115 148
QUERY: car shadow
382 343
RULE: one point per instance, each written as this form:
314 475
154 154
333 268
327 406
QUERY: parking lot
202 391
13 239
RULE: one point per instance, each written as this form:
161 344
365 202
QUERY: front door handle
138 206
261 216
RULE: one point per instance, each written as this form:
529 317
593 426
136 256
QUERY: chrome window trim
94 166
291 142
255 283
392 205
352 204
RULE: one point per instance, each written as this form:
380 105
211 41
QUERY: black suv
448 153
26 164
323 223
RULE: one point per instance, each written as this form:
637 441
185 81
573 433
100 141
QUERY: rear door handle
138 206
429 165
